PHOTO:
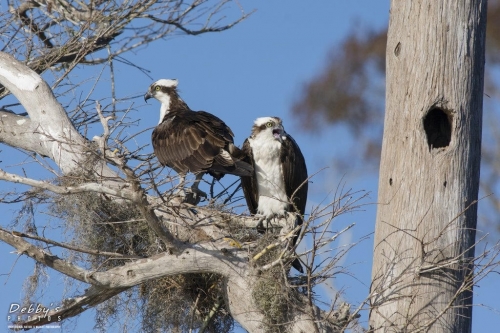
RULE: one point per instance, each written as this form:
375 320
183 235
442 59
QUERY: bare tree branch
73 306
89 27
21 132
74 248
89 187
58 138
52 261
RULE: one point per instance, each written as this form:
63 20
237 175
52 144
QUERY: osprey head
165 91
161 90
269 126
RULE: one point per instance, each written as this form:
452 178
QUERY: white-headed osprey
279 182
193 141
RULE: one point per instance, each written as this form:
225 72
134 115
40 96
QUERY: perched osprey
193 141
279 182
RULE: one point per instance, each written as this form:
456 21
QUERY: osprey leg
195 194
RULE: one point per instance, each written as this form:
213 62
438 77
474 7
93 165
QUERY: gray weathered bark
47 130
429 171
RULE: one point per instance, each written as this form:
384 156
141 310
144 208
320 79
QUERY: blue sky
258 68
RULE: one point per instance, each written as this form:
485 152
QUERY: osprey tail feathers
244 169
239 168
296 264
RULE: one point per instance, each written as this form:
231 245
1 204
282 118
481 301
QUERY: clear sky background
258 68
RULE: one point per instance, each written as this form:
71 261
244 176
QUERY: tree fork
429 171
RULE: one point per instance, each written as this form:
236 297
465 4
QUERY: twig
211 314
273 245
74 248
193 311
88 187
187 31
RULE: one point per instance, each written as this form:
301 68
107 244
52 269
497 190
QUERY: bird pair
271 166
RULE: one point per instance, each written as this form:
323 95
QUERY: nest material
184 302
175 303
271 293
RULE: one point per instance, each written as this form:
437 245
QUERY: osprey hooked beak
147 96
278 133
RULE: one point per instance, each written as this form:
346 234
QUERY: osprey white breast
271 187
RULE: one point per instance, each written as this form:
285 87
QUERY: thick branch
75 248
190 259
74 306
52 261
208 258
88 187
59 140
21 132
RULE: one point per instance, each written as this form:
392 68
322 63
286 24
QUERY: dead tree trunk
429 171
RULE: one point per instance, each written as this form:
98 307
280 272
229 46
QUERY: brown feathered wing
190 141
249 184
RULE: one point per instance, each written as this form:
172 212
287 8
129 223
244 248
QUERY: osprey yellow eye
269 124
157 88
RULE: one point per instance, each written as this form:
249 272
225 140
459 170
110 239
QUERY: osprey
193 141
279 181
